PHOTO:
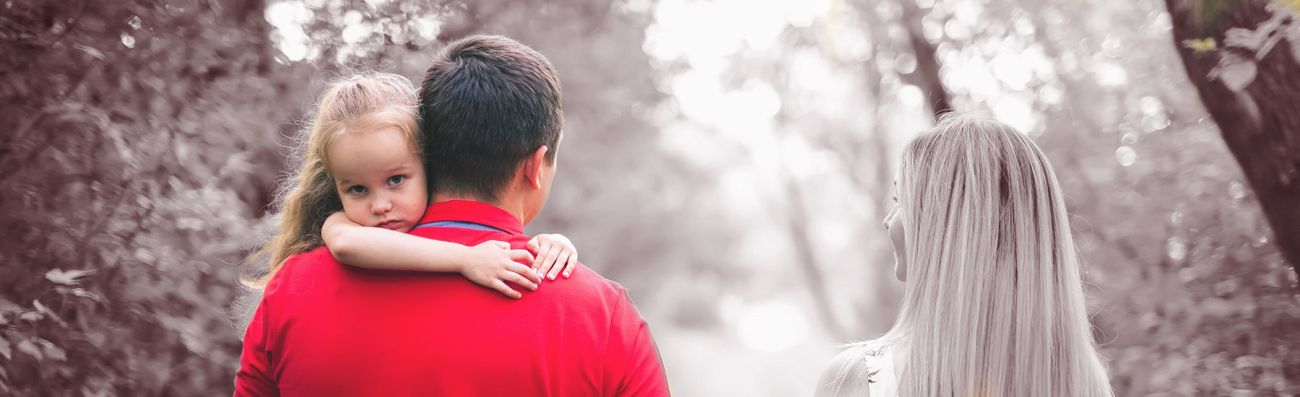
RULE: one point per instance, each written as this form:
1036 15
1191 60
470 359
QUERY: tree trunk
1260 120
807 258
926 74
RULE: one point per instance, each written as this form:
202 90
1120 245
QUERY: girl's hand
492 263
555 254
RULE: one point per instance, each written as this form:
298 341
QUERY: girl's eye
357 189
395 179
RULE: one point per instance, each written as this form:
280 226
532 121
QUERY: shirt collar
473 212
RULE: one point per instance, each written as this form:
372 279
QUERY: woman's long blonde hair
362 102
993 303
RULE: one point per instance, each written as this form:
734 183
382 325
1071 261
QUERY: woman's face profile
894 224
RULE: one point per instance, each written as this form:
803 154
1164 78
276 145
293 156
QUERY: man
491 118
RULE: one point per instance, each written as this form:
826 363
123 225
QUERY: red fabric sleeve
254 377
635 369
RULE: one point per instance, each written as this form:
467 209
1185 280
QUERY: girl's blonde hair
363 102
994 302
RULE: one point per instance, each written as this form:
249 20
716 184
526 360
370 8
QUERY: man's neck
514 207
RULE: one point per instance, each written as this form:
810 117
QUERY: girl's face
894 224
379 178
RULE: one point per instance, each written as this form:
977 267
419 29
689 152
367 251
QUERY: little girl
361 186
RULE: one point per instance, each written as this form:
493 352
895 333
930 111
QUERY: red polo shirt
327 329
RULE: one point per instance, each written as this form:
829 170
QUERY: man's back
329 329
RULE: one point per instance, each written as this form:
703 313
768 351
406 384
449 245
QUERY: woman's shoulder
856 370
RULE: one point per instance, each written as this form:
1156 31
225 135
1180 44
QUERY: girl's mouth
390 225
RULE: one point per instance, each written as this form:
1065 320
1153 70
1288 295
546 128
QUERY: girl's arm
555 253
490 264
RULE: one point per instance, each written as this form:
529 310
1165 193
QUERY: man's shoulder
589 286
308 264
319 255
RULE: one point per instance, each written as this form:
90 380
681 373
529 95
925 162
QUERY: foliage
128 183
716 182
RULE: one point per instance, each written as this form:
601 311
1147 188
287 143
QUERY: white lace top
863 369
882 380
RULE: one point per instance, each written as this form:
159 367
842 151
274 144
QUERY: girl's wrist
463 258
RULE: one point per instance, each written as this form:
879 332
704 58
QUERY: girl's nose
381 205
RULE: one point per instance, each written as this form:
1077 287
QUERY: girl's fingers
504 289
525 271
561 257
521 255
518 279
568 268
541 264
532 244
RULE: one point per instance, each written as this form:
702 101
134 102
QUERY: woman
993 303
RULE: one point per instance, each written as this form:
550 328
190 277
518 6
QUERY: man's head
491 116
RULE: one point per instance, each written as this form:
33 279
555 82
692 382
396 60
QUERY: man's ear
533 167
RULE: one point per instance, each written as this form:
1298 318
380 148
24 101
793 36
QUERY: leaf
1251 361
94 53
1278 6
1235 71
1266 35
80 293
52 351
46 311
30 348
67 277
5 350
1244 38
1201 46
7 307
31 316
1293 37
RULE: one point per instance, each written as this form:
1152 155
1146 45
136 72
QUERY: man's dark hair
486 103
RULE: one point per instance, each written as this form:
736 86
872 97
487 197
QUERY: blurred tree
1243 57
126 179
926 71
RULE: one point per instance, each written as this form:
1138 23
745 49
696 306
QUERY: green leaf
1201 46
